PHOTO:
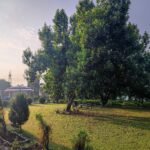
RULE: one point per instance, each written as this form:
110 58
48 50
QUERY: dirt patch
10 137
6 141
77 113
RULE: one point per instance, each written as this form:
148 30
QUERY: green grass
108 128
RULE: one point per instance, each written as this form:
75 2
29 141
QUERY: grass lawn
110 129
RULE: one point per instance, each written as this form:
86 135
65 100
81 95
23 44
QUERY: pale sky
20 21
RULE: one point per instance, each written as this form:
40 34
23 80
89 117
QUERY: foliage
36 98
46 130
42 100
5 103
2 119
81 142
15 145
4 84
29 101
110 46
99 54
56 73
91 102
129 104
19 111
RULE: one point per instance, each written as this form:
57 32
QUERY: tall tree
100 55
54 78
108 41
73 73
52 56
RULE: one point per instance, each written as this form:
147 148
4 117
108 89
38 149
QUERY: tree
73 73
71 81
2 119
108 41
46 130
138 77
19 111
84 6
51 59
54 77
37 64
4 84
100 55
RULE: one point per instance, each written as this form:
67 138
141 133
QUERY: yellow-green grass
109 129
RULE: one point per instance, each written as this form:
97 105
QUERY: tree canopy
97 53
4 84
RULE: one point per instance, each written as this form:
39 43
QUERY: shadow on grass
59 147
37 105
135 122
53 145
126 121
131 108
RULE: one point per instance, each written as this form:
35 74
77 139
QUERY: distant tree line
95 54
4 84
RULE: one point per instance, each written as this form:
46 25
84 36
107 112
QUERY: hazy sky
20 21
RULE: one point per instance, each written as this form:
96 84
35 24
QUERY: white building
13 91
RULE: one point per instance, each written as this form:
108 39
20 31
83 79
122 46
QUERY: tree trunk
142 101
104 100
69 104
20 128
4 126
46 145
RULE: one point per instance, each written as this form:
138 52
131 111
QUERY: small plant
45 130
29 101
81 142
15 145
42 100
58 111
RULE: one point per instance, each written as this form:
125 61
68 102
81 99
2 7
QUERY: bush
15 145
46 130
42 100
29 101
128 104
81 142
89 102
19 111
36 99
2 120
62 101
146 105
5 103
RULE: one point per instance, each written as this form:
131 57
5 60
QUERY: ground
108 128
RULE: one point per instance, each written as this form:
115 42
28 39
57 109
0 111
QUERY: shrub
42 100
5 103
45 130
29 101
36 99
15 145
81 142
2 120
19 111
89 102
